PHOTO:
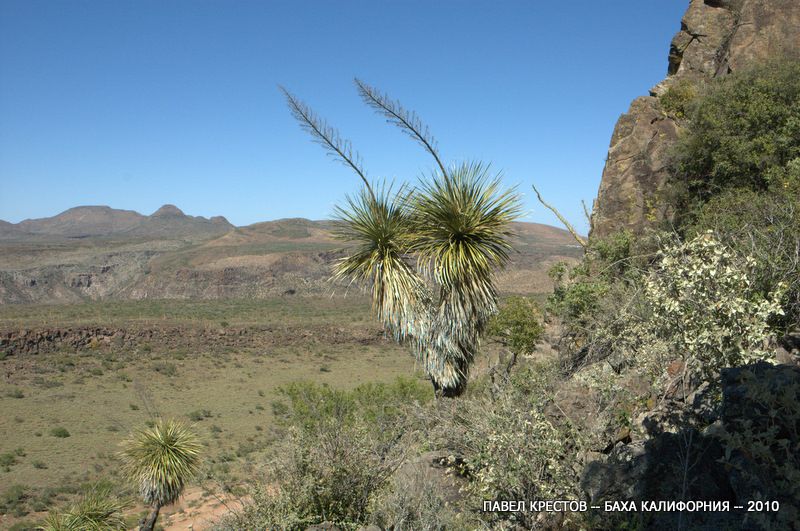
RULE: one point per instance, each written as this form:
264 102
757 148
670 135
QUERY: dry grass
99 395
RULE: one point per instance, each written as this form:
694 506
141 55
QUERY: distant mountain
83 221
94 253
7 228
98 221
170 222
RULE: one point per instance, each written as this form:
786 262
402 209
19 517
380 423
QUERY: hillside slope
98 253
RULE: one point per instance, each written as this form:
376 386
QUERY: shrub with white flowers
703 309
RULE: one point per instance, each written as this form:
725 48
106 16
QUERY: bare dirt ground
197 510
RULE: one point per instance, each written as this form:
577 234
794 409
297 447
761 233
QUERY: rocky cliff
717 37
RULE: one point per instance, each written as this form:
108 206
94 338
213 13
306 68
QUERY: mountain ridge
100 253
102 220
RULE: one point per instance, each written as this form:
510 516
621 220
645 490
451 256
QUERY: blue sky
134 104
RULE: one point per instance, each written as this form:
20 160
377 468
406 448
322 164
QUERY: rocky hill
98 253
91 221
717 37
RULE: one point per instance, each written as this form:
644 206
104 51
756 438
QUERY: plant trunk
449 392
149 523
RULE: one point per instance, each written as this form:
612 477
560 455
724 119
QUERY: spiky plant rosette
380 232
97 510
428 254
161 460
461 236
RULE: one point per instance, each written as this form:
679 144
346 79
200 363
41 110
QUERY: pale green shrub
508 446
700 306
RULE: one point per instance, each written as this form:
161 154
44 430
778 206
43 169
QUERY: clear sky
137 103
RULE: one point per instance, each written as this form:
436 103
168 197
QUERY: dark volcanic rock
635 168
746 447
716 37
43 340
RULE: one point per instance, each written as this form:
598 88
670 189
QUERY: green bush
7 460
518 325
678 98
338 450
765 227
743 132
700 306
60 432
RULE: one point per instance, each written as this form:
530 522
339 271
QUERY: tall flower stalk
429 253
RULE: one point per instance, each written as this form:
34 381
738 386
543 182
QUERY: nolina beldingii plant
428 253
97 510
160 461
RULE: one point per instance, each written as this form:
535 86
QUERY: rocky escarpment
717 37
31 341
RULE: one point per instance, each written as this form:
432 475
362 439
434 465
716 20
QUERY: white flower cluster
704 308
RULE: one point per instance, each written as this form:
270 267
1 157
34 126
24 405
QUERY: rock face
717 37
740 448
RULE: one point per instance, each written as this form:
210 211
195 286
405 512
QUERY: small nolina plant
97 510
160 461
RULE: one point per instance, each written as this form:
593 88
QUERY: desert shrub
765 227
13 500
592 295
7 460
508 445
678 98
337 452
199 414
16 393
414 500
699 306
742 132
518 325
166 368
60 432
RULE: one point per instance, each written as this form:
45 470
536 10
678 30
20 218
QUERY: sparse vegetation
338 450
60 432
16 393
199 414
